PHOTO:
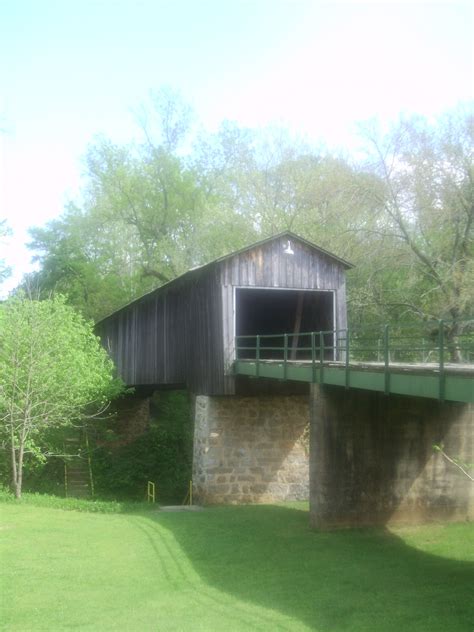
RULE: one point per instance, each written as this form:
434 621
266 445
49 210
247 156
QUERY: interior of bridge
271 311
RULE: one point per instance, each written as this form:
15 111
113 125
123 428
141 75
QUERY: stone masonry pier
252 449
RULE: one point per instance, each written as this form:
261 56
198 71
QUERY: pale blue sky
71 69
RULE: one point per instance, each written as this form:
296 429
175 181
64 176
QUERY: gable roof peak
289 235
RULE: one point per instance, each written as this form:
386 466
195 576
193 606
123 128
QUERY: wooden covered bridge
260 339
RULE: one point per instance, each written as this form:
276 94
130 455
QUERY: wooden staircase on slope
78 481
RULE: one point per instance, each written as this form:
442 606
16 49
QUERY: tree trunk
17 489
452 340
17 470
14 471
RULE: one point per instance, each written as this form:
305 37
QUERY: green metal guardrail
385 349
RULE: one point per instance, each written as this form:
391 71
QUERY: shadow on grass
346 580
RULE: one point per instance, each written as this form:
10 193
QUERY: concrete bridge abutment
373 463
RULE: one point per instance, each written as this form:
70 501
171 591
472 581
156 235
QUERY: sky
74 69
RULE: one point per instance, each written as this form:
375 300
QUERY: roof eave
193 271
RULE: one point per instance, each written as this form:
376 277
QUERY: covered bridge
183 333
373 424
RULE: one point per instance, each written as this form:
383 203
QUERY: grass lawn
229 568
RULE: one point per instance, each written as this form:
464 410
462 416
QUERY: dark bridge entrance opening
274 312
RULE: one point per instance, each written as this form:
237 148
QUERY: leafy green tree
148 214
273 182
4 269
53 371
426 219
152 210
163 453
94 261
153 193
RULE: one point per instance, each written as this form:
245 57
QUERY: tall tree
52 370
147 215
95 262
426 218
154 209
4 232
153 192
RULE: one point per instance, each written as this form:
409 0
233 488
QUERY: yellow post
89 462
150 490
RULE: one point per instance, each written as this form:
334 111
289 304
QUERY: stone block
247 443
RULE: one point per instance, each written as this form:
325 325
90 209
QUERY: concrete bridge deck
404 362
452 382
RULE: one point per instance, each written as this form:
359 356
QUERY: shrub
163 454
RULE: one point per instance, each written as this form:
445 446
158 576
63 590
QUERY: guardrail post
313 356
386 359
347 359
285 356
257 357
236 355
321 357
442 375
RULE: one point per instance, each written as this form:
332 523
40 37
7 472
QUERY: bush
163 455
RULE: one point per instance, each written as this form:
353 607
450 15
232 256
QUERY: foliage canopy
53 371
404 214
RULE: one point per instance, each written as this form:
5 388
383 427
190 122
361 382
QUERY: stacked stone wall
131 419
251 449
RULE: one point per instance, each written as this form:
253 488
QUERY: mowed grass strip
229 568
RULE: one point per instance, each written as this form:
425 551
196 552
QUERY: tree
151 191
147 215
462 467
4 232
154 209
271 181
93 260
426 219
53 371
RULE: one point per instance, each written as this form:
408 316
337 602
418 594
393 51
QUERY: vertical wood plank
252 277
275 279
185 333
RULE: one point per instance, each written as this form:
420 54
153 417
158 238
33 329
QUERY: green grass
76 504
229 568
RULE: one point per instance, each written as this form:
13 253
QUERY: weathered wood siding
183 333
172 336
268 266
204 348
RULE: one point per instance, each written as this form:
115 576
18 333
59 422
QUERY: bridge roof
202 268
286 234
